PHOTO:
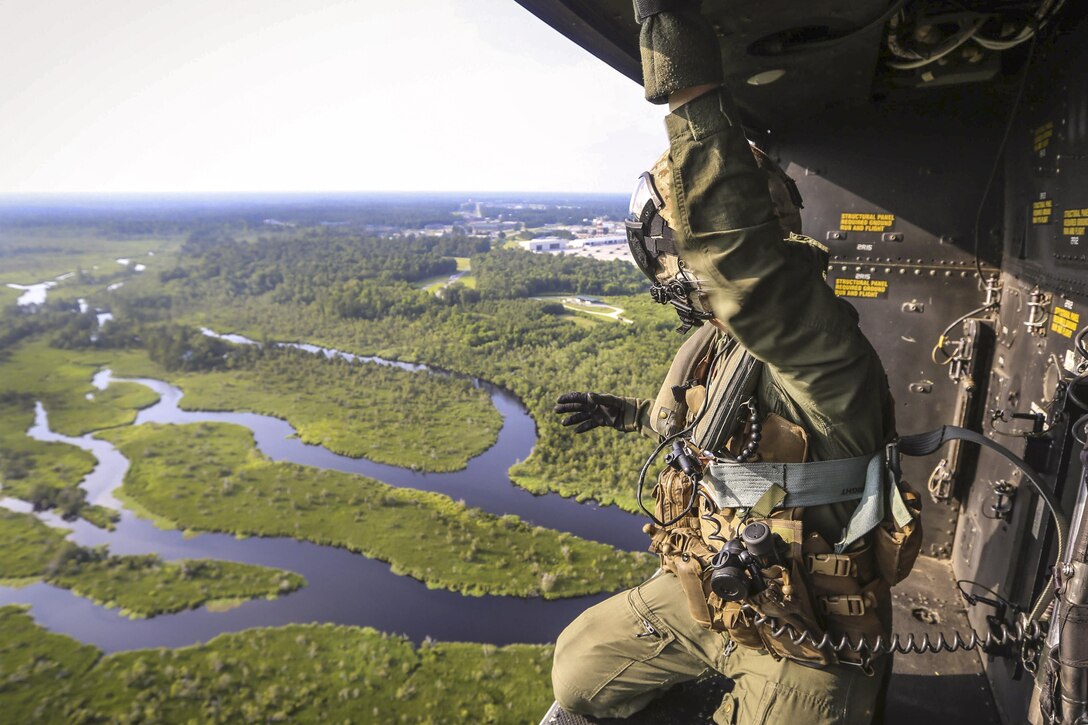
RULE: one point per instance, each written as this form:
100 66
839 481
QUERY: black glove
679 48
590 410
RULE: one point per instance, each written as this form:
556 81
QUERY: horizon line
297 192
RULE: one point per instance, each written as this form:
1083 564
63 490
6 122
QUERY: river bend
343 587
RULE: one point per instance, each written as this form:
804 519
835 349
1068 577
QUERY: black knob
759 541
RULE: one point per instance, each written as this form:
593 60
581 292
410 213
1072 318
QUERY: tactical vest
815 589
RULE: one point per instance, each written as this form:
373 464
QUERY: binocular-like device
738 565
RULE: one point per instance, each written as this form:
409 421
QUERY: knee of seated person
569 697
573 683
569 651
574 699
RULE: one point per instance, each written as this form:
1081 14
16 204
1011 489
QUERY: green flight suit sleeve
642 419
636 417
774 303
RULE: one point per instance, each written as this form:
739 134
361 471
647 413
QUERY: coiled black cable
1072 396
668 440
1080 425
709 517
1079 342
1027 631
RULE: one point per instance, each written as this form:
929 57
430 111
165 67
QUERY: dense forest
362 294
509 273
364 302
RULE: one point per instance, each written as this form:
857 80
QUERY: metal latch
1038 302
940 482
1004 497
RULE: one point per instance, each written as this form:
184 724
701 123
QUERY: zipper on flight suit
650 631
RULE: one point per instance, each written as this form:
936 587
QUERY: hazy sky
309 95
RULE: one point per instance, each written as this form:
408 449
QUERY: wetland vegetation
301 673
140 586
210 477
535 349
411 419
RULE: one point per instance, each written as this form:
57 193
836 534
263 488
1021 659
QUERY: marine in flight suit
820 373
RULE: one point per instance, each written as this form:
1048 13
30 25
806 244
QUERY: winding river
343 588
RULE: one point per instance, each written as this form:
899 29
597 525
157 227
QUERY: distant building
437 230
604 241
544 244
491 227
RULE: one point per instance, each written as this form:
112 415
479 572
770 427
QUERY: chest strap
870 479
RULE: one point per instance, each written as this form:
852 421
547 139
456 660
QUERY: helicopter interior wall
1044 302
893 190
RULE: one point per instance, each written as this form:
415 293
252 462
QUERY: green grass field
29 546
414 420
145 586
26 463
8 296
210 477
301 673
30 256
433 285
141 586
61 380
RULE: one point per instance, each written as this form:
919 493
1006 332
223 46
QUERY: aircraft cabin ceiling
784 58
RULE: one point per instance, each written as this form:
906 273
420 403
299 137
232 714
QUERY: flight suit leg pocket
604 660
653 634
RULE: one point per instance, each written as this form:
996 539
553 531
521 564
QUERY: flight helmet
652 241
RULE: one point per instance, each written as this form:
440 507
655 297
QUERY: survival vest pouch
669 411
818 587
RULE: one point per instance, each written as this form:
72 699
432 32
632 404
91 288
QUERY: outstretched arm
771 300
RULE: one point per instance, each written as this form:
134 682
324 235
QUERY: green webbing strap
868 478
741 485
771 499
881 483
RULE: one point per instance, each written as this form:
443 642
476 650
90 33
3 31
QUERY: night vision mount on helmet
653 247
652 240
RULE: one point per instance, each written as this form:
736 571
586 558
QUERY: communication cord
943 338
1045 13
1025 631
668 440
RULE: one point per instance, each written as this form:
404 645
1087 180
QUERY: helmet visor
645 192
643 222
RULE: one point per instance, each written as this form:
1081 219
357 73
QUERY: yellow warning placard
1064 322
1074 222
1040 137
865 288
1041 211
859 222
